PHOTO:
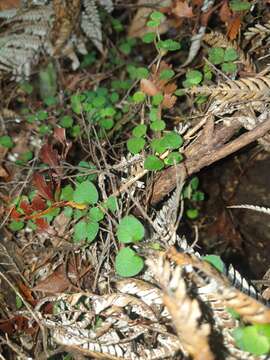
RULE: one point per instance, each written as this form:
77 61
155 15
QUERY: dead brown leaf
181 9
9 4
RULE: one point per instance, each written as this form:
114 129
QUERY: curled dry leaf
148 87
44 189
49 156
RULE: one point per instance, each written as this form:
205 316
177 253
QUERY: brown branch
198 155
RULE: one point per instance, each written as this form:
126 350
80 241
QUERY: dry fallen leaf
181 9
9 4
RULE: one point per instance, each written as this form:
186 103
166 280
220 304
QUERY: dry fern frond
185 312
217 39
117 336
257 34
233 95
248 308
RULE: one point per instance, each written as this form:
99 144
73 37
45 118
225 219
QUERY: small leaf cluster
193 196
225 58
129 231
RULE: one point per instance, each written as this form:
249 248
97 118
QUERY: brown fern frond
185 312
257 34
217 39
248 308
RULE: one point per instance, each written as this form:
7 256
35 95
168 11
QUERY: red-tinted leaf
38 204
26 207
44 189
57 282
234 27
182 9
225 12
16 323
26 292
60 135
42 224
15 215
48 155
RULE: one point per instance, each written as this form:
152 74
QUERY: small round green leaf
6 141
157 16
168 45
139 130
80 231
128 263
194 77
253 339
16 225
96 214
153 163
149 37
135 145
172 140
130 230
138 97
154 114
173 158
111 203
229 67
158 125
92 228
230 54
166 74
192 214
216 55
85 193
157 99
67 193
157 145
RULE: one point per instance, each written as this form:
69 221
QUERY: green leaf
19 302
230 54
157 16
154 114
106 124
139 130
16 225
85 193
158 125
66 121
157 99
194 183
153 163
128 263
125 48
142 73
44 129
85 167
67 193
192 214
152 23
50 101
237 5
254 339
216 55
111 203
198 196
68 211
130 230
194 77
138 97
229 67
172 140
80 231
166 74
158 145
168 45
173 158
216 261
96 214
76 105
135 145
75 131
149 37
92 229
42 115
6 141
233 313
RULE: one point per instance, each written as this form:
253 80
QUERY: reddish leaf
42 224
27 294
48 155
234 28
15 215
38 204
60 135
26 207
43 188
148 87
225 13
17 323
